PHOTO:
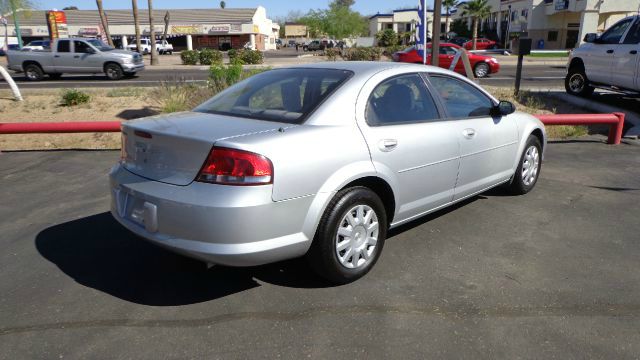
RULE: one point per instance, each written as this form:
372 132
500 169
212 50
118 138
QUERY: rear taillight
236 167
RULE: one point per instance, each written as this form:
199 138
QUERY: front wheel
481 70
576 83
528 171
113 71
350 236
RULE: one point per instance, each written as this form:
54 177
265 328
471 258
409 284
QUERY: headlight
127 60
493 60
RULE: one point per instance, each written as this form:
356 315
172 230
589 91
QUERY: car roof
366 69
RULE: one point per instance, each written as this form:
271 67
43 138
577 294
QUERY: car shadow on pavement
99 253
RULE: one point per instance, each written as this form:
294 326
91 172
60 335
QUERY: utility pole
508 33
435 42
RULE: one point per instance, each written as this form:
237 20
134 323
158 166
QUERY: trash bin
541 44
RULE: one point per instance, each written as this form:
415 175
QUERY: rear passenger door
63 57
488 144
409 143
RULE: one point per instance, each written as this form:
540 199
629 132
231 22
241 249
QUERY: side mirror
504 108
590 38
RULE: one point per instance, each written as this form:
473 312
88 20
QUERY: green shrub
178 95
74 97
233 54
252 56
390 50
387 37
189 57
362 54
332 53
210 56
221 77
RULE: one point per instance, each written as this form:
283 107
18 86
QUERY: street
547 275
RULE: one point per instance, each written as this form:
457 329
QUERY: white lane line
98 82
525 78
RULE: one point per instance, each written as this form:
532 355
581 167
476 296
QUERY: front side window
63 46
81 47
614 34
402 99
283 95
461 99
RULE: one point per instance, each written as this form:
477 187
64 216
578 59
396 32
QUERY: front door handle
633 52
610 51
469 133
76 57
56 55
387 144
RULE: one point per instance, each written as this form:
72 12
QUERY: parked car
609 61
460 41
162 47
278 43
314 45
10 47
259 173
482 65
291 43
481 44
38 45
76 55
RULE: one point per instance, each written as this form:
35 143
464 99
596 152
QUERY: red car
482 44
481 65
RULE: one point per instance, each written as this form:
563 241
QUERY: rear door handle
76 57
633 52
609 51
469 133
387 144
56 55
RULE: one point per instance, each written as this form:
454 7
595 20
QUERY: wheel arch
381 188
31 62
576 63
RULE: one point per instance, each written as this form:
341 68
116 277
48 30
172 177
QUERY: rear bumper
227 225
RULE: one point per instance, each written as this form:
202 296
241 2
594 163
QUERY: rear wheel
350 236
113 71
33 72
481 70
576 83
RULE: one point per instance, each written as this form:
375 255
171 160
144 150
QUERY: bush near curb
74 97
362 54
210 56
332 53
189 57
246 56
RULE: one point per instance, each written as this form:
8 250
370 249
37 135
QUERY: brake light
236 167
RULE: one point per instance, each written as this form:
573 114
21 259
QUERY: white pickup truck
162 46
610 61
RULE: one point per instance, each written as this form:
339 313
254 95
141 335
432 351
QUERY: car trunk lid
173 148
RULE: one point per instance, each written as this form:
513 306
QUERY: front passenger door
488 144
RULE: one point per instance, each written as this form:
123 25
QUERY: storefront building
221 29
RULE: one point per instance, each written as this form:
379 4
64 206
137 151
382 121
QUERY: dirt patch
45 106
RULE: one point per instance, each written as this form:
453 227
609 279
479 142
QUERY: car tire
577 83
113 71
33 72
528 170
481 70
55 76
358 212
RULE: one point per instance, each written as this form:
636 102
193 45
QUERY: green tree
477 10
338 22
459 26
70 8
387 37
449 4
342 3
223 4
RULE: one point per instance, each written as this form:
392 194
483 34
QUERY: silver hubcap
112 73
32 74
530 165
357 237
576 82
481 70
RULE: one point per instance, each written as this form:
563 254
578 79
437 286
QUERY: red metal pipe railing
615 122
59 127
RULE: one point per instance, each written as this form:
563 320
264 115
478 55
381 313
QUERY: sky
275 8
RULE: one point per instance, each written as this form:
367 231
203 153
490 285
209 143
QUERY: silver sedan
318 161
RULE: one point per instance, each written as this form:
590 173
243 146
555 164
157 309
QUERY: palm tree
449 4
223 4
136 22
103 20
152 35
477 9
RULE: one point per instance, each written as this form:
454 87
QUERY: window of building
552 36
525 13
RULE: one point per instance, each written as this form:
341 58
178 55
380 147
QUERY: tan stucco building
401 21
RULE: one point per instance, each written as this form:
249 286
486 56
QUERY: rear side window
462 100
63 46
633 36
402 99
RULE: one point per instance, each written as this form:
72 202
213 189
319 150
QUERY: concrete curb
630 117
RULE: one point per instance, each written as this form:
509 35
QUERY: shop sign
57 24
24 32
88 32
220 28
235 28
186 29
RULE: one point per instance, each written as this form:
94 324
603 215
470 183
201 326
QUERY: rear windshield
282 95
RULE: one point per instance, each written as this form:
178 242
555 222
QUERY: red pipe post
615 120
59 127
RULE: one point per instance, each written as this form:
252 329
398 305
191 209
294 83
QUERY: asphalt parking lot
553 274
